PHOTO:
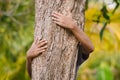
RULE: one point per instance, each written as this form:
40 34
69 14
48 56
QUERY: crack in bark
59 63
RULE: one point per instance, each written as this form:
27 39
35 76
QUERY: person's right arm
36 49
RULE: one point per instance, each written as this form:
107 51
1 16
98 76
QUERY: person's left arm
68 22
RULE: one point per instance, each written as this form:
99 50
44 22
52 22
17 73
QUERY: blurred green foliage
103 63
16 36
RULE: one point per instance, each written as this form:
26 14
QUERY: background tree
59 62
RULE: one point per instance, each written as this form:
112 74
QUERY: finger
58 14
43 40
44 47
55 19
57 22
42 44
39 52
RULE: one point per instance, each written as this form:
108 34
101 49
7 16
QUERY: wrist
29 58
28 55
73 27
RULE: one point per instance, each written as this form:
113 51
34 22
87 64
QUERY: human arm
87 45
68 22
35 50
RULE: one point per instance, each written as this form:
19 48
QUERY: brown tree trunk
59 61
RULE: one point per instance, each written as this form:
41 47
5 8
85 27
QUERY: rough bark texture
59 61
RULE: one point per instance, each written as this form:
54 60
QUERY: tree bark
59 61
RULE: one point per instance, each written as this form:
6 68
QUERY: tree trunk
59 61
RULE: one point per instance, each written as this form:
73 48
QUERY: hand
37 48
63 21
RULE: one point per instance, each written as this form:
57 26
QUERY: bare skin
37 48
67 22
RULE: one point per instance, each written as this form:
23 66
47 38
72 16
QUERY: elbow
91 49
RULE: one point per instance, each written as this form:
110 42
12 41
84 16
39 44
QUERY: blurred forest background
102 26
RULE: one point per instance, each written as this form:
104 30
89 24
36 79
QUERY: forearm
28 64
68 22
83 38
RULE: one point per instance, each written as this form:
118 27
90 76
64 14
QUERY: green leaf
104 12
102 30
117 5
86 4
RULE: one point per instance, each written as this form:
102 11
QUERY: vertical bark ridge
59 62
